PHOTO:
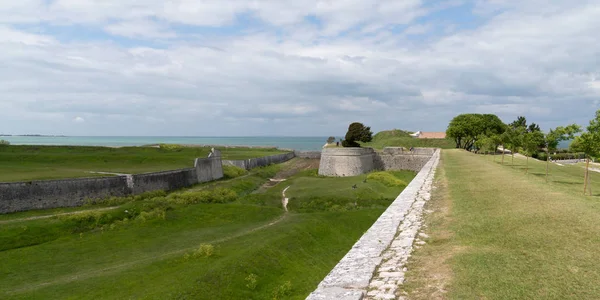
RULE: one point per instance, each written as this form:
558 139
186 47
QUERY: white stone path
374 268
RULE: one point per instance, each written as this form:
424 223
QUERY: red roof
432 135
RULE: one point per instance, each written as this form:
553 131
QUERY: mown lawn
24 163
496 233
154 256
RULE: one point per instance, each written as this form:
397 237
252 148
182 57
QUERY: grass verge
496 233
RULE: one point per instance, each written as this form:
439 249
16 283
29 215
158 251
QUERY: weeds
386 178
282 291
251 281
233 172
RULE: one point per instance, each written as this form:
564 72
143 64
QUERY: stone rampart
308 154
44 194
356 161
375 266
252 163
167 180
346 161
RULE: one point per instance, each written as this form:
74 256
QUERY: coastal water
298 143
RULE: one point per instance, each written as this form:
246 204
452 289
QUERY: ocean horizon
287 142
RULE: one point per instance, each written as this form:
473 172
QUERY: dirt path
284 199
56 215
290 168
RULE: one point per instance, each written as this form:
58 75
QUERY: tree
519 122
465 129
531 142
357 132
588 143
555 136
331 140
514 136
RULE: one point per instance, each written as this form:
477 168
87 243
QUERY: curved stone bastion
346 161
374 268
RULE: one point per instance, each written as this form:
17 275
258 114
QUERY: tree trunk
547 164
512 163
585 181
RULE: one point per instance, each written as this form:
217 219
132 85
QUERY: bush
559 156
233 172
282 291
251 281
387 179
4 143
205 250
218 195
170 147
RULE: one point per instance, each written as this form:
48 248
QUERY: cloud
292 68
79 120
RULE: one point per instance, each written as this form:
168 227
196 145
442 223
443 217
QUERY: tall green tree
555 136
466 129
588 143
531 145
357 132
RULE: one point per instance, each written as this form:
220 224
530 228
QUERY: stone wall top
350 151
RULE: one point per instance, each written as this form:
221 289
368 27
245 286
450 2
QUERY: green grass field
21 163
147 247
496 233
400 138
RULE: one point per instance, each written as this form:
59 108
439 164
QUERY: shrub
218 195
233 172
205 250
155 214
386 178
251 281
170 147
4 143
282 291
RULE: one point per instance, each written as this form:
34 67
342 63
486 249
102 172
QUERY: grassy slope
400 138
20 163
147 260
498 234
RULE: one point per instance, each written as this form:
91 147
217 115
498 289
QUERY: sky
292 68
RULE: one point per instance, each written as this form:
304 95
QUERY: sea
297 143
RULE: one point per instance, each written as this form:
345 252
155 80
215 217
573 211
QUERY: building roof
432 135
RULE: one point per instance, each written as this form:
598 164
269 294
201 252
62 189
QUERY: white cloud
79 120
240 67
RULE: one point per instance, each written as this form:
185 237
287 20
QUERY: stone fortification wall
43 194
208 169
374 268
308 154
167 180
252 163
393 158
346 161
356 161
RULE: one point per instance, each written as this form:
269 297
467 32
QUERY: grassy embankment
223 240
497 233
400 138
21 163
